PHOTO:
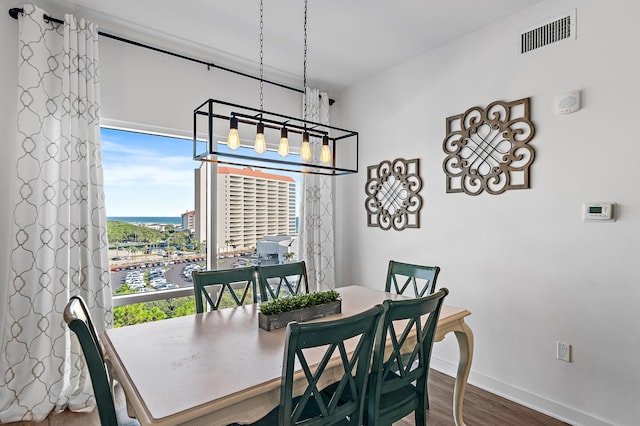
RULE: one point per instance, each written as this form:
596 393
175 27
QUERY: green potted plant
277 313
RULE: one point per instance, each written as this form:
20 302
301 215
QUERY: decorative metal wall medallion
488 149
392 194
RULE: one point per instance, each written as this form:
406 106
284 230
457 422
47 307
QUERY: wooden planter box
272 322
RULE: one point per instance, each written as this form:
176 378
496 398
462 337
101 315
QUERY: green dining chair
239 284
397 383
77 317
288 279
314 406
417 279
404 276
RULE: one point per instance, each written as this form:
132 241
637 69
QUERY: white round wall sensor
567 103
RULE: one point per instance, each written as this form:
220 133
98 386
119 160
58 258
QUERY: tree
179 239
136 314
151 311
126 232
125 289
188 308
288 256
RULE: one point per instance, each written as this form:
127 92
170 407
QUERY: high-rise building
188 220
251 204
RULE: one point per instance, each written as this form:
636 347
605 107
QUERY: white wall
523 262
159 92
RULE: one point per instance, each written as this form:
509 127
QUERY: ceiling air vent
559 29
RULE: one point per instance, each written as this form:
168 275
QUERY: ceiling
348 40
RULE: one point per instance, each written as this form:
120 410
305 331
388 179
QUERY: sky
150 175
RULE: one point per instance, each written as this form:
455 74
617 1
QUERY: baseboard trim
535 402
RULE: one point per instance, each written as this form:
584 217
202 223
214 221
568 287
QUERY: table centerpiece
277 313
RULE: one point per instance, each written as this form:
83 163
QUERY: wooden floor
481 408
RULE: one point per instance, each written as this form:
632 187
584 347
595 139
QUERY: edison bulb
283 147
305 149
260 145
233 140
325 154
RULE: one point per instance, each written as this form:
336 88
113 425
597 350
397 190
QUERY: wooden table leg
464 335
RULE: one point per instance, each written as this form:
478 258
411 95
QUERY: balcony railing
130 299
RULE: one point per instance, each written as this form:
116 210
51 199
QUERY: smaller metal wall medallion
392 194
488 149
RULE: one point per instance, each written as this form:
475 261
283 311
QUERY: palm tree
288 256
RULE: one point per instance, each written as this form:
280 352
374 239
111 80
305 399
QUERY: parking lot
172 272
173 269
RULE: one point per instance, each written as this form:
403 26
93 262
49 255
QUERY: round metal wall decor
392 194
488 149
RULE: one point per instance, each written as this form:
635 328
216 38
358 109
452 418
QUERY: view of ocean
160 220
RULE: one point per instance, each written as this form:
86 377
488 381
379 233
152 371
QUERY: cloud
147 175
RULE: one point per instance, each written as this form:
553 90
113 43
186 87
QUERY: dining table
219 367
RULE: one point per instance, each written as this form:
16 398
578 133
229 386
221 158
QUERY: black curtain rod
13 12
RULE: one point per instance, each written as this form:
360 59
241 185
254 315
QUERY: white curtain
317 210
59 239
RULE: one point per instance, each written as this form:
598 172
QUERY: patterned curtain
59 244
317 210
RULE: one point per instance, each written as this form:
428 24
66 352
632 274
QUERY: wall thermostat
598 211
567 103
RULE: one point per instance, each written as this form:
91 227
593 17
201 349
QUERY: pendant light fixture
305 149
337 155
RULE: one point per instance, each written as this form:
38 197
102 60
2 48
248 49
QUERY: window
156 212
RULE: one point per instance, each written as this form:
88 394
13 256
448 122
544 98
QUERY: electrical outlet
563 352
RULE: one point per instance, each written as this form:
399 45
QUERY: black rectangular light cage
211 121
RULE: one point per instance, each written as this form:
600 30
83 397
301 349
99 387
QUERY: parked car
166 286
158 283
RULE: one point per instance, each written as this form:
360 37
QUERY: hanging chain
261 55
304 64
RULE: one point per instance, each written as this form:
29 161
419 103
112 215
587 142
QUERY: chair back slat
277 281
239 284
403 276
